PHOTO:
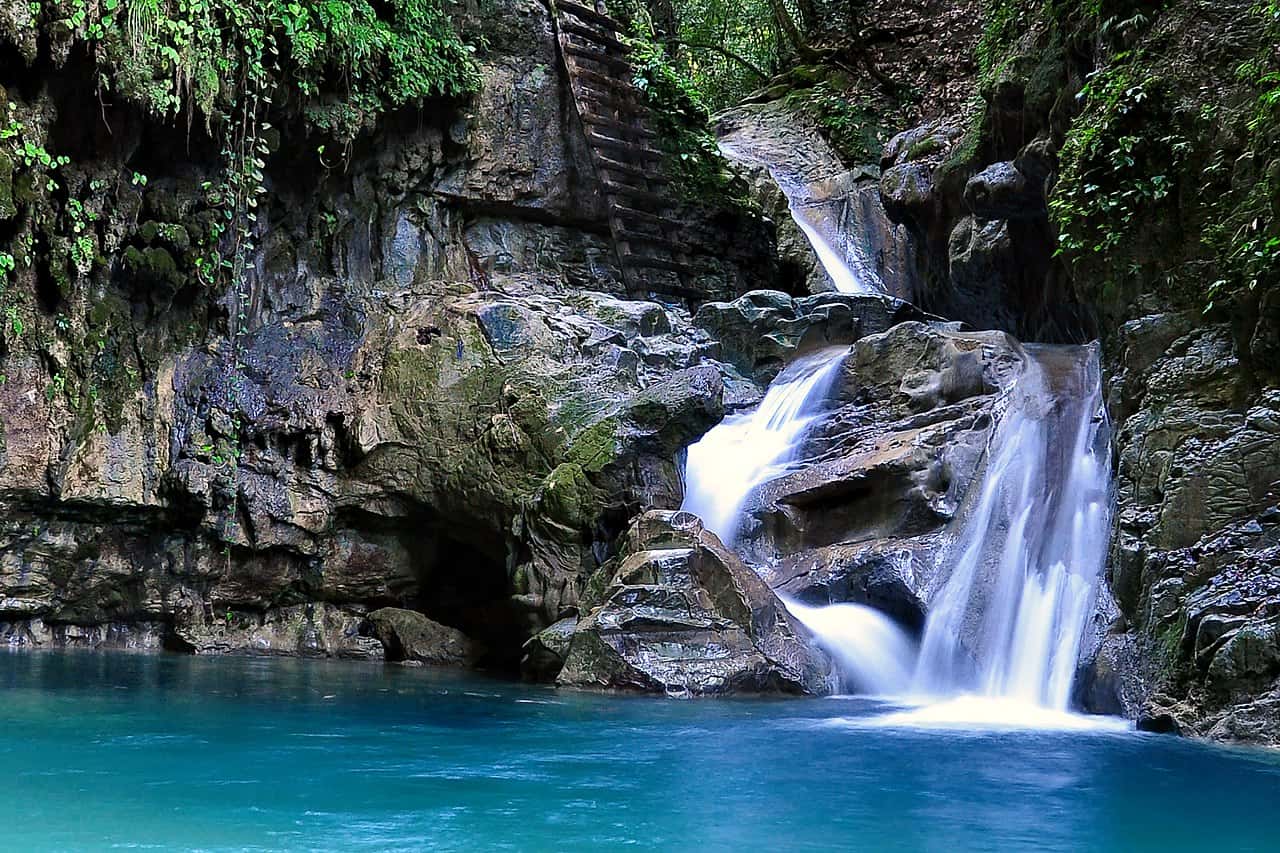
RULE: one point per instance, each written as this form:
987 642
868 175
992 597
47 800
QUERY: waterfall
1030 546
751 448
1016 584
847 265
838 211
1026 550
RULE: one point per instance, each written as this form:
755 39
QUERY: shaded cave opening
469 588
450 571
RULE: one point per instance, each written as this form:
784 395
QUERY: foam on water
984 713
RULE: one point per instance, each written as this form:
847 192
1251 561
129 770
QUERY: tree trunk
787 24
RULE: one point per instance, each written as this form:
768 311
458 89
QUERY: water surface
106 750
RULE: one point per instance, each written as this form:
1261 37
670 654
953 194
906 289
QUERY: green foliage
682 119
1003 22
1119 164
1245 232
857 129
349 60
725 48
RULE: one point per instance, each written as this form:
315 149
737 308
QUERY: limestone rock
680 614
546 650
760 332
407 635
310 630
1002 191
913 410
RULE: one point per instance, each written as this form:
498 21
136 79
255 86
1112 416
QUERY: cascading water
1027 548
751 448
873 653
819 219
1030 546
838 211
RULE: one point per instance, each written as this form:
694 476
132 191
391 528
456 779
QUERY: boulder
760 332
1002 191
408 635
678 613
546 650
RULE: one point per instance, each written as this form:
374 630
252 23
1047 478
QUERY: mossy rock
8 209
568 497
155 266
597 446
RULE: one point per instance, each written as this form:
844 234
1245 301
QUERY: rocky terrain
430 425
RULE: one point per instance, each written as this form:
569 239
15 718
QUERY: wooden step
628 150
621 211
637 196
618 129
583 54
661 243
587 14
604 81
639 172
624 105
595 36
626 110
653 262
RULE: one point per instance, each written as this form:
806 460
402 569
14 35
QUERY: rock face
859 519
426 394
760 332
679 614
986 240
1194 567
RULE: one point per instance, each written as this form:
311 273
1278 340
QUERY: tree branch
726 53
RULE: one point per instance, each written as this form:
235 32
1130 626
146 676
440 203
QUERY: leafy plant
1117 166
682 118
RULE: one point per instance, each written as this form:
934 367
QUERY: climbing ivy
1246 232
346 60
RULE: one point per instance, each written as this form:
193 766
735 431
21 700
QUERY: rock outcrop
678 613
859 519
408 636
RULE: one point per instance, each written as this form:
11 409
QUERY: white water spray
872 651
751 448
1031 546
850 272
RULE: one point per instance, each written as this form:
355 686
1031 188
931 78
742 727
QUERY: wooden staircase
651 252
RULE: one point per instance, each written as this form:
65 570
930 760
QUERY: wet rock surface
1194 564
407 635
678 613
886 471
